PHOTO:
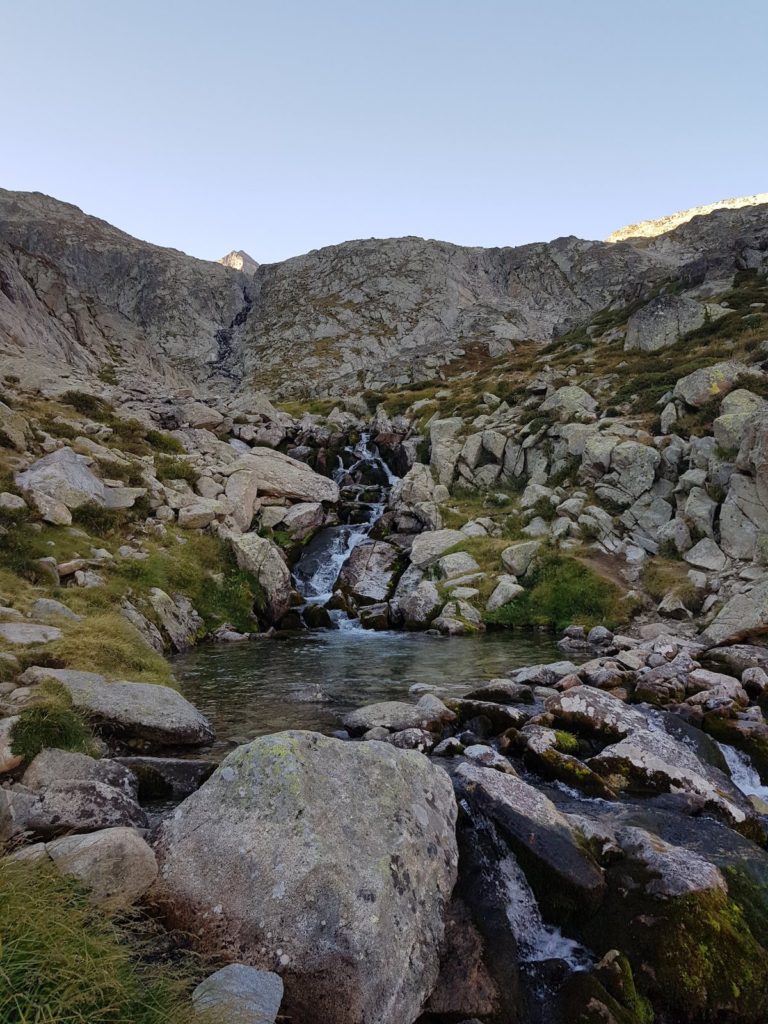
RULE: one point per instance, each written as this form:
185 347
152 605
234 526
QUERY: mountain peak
651 228
238 259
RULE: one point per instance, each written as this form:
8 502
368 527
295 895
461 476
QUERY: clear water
308 680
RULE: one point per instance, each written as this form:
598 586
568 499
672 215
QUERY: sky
280 127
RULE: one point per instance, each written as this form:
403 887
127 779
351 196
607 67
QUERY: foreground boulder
64 477
116 865
265 561
330 863
130 711
280 476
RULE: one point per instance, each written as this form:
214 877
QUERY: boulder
265 560
130 711
665 319
428 713
568 403
14 427
368 573
429 546
53 765
744 616
8 760
743 518
419 606
82 805
706 555
736 410
240 994
200 514
178 619
280 476
241 490
64 477
506 590
711 382
328 862
517 558
199 416
116 865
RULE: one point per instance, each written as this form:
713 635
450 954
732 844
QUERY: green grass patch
561 591
64 961
164 443
204 569
109 644
51 721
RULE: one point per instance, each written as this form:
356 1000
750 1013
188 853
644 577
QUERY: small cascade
743 775
364 480
512 920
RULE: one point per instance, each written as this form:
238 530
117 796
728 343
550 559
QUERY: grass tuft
51 721
109 644
63 961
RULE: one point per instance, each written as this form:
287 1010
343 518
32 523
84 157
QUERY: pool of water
308 680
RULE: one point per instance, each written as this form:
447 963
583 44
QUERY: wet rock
116 865
420 606
464 986
354 849
368 573
547 846
596 711
163 778
375 616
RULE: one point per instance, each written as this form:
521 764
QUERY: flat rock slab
25 633
126 710
396 715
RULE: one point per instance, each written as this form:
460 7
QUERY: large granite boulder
330 863
63 476
711 382
569 402
429 546
665 319
146 712
745 615
280 476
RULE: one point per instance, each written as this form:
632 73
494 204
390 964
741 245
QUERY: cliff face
76 292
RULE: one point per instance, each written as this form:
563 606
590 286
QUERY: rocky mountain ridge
76 293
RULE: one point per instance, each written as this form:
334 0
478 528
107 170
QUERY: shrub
57 428
87 405
562 590
63 961
164 443
108 375
169 468
96 519
51 721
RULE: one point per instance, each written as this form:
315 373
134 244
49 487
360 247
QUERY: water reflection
307 680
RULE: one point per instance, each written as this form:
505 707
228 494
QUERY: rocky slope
364 314
588 451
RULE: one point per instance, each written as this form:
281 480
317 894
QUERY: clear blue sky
279 127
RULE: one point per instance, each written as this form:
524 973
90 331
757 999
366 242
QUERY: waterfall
743 775
322 560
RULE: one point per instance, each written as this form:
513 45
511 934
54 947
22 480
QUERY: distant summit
239 260
652 228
